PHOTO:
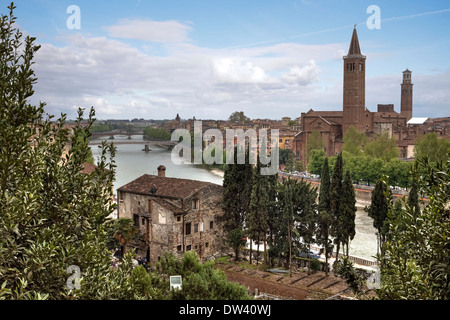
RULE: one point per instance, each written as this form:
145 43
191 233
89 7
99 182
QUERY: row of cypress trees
285 215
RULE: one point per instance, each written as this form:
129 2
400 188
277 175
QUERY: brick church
333 124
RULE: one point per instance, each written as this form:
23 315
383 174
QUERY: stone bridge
147 143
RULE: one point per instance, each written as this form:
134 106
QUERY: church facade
332 125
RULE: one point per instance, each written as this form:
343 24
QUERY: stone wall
163 222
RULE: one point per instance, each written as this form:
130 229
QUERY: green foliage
382 147
315 265
336 204
347 219
416 263
120 232
314 143
286 157
354 279
282 224
239 117
431 146
237 188
354 141
316 161
157 133
200 281
379 207
101 127
294 223
51 215
261 204
324 218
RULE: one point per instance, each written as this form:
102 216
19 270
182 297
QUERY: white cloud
303 75
232 70
149 30
122 81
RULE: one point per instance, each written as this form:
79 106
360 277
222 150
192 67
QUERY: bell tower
407 95
354 86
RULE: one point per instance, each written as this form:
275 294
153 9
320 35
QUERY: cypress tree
237 186
335 202
324 216
305 208
347 221
258 217
379 207
413 198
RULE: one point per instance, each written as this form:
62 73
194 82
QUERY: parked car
312 255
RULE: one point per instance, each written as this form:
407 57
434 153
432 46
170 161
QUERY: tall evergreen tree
281 243
305 208
260 205
336 202
324 219
378 209
237 186
347 221
413 197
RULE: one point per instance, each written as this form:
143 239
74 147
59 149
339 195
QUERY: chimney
161 171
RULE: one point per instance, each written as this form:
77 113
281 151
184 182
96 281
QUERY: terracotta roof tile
166 187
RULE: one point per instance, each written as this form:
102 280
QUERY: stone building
173 215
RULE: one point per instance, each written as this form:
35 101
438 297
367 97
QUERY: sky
208 58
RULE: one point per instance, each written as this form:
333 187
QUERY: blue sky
208 58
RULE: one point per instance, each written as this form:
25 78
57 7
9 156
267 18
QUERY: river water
132 162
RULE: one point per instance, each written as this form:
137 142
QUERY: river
132 162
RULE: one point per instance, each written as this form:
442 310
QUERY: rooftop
164 187
417 120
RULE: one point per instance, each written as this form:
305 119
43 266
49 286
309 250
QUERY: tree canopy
239 117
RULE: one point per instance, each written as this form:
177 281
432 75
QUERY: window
188 228
179 247
143 221
195 227
188 247
178 218
196 247
149 206
195 204
360 67
211 224
206 244
136 220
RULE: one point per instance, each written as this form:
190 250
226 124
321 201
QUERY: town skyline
152 60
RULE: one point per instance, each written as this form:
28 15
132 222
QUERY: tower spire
354 44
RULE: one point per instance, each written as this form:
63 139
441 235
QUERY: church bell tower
407 95
354 86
